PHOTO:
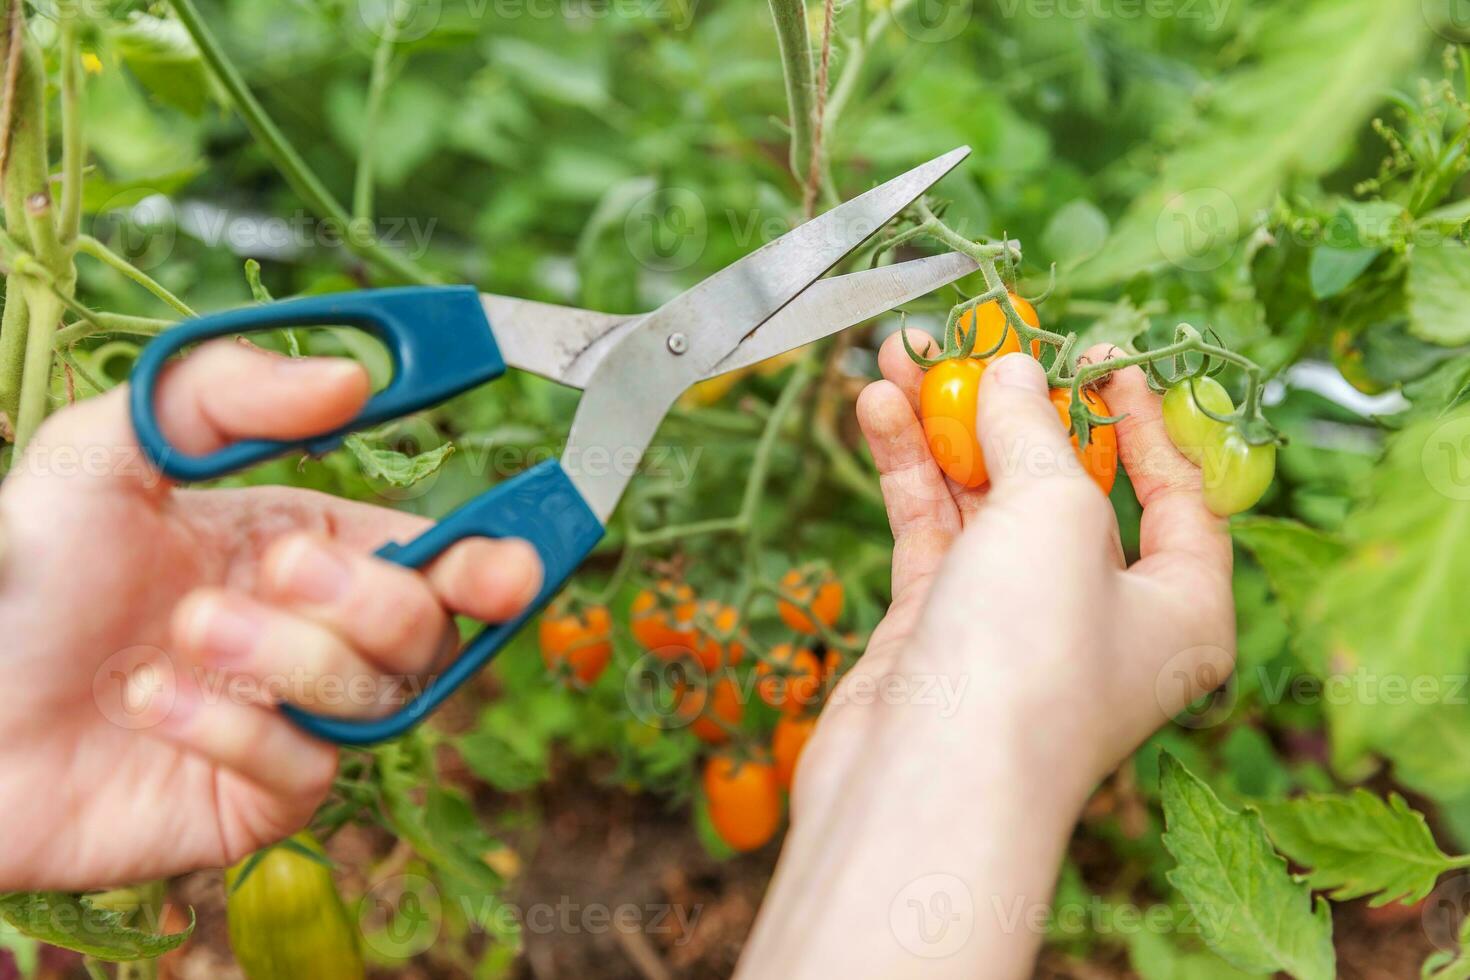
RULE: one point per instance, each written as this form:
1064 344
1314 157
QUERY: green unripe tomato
1236 474
1193 432
287 921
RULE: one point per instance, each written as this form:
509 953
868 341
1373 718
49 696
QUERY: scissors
445 340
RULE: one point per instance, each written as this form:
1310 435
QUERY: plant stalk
301 178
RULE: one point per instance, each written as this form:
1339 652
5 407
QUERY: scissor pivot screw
678 343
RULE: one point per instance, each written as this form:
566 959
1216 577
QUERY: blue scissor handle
540 505
438 337
441 345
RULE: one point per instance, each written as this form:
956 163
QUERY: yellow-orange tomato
822 596
582 641
662 620
1100 458
949 395
708 650
796 688
992 322
744 801
724 706
787 743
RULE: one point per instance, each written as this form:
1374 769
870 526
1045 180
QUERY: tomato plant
949 397
662 619
161 159
994 333
286 919
790 678
810 598
577 641
1100 457
744 800
788 740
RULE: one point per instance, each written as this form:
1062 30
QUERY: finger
489 580
281 657
384 611
1026 449
224 392
259 744
1176 523
921 512
227 391
895 364
479 577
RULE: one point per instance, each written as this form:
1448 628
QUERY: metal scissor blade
566 344
718 313
680 343
562 343
833 305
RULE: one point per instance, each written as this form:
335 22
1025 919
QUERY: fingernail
228 634
1019 371
313 573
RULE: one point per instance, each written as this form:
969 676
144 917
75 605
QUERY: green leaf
1075 232
1439 293
160 52
1318 69
1252 912
72 922
1154 956
1335 269
394 467
1357 844
1293 555
442 828
1386 629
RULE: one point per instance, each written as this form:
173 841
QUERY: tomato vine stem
300 176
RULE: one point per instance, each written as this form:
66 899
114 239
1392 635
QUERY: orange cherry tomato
797 688
821 593
708 649
787 743
662 620
1100 458
992 322
582 641
744 801
948 397
724 705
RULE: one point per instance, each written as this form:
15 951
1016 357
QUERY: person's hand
1019 663
148 630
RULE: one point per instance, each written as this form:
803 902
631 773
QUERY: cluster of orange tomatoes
949 396
743 783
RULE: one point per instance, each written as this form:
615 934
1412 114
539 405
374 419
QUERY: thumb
1024 441
221 393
